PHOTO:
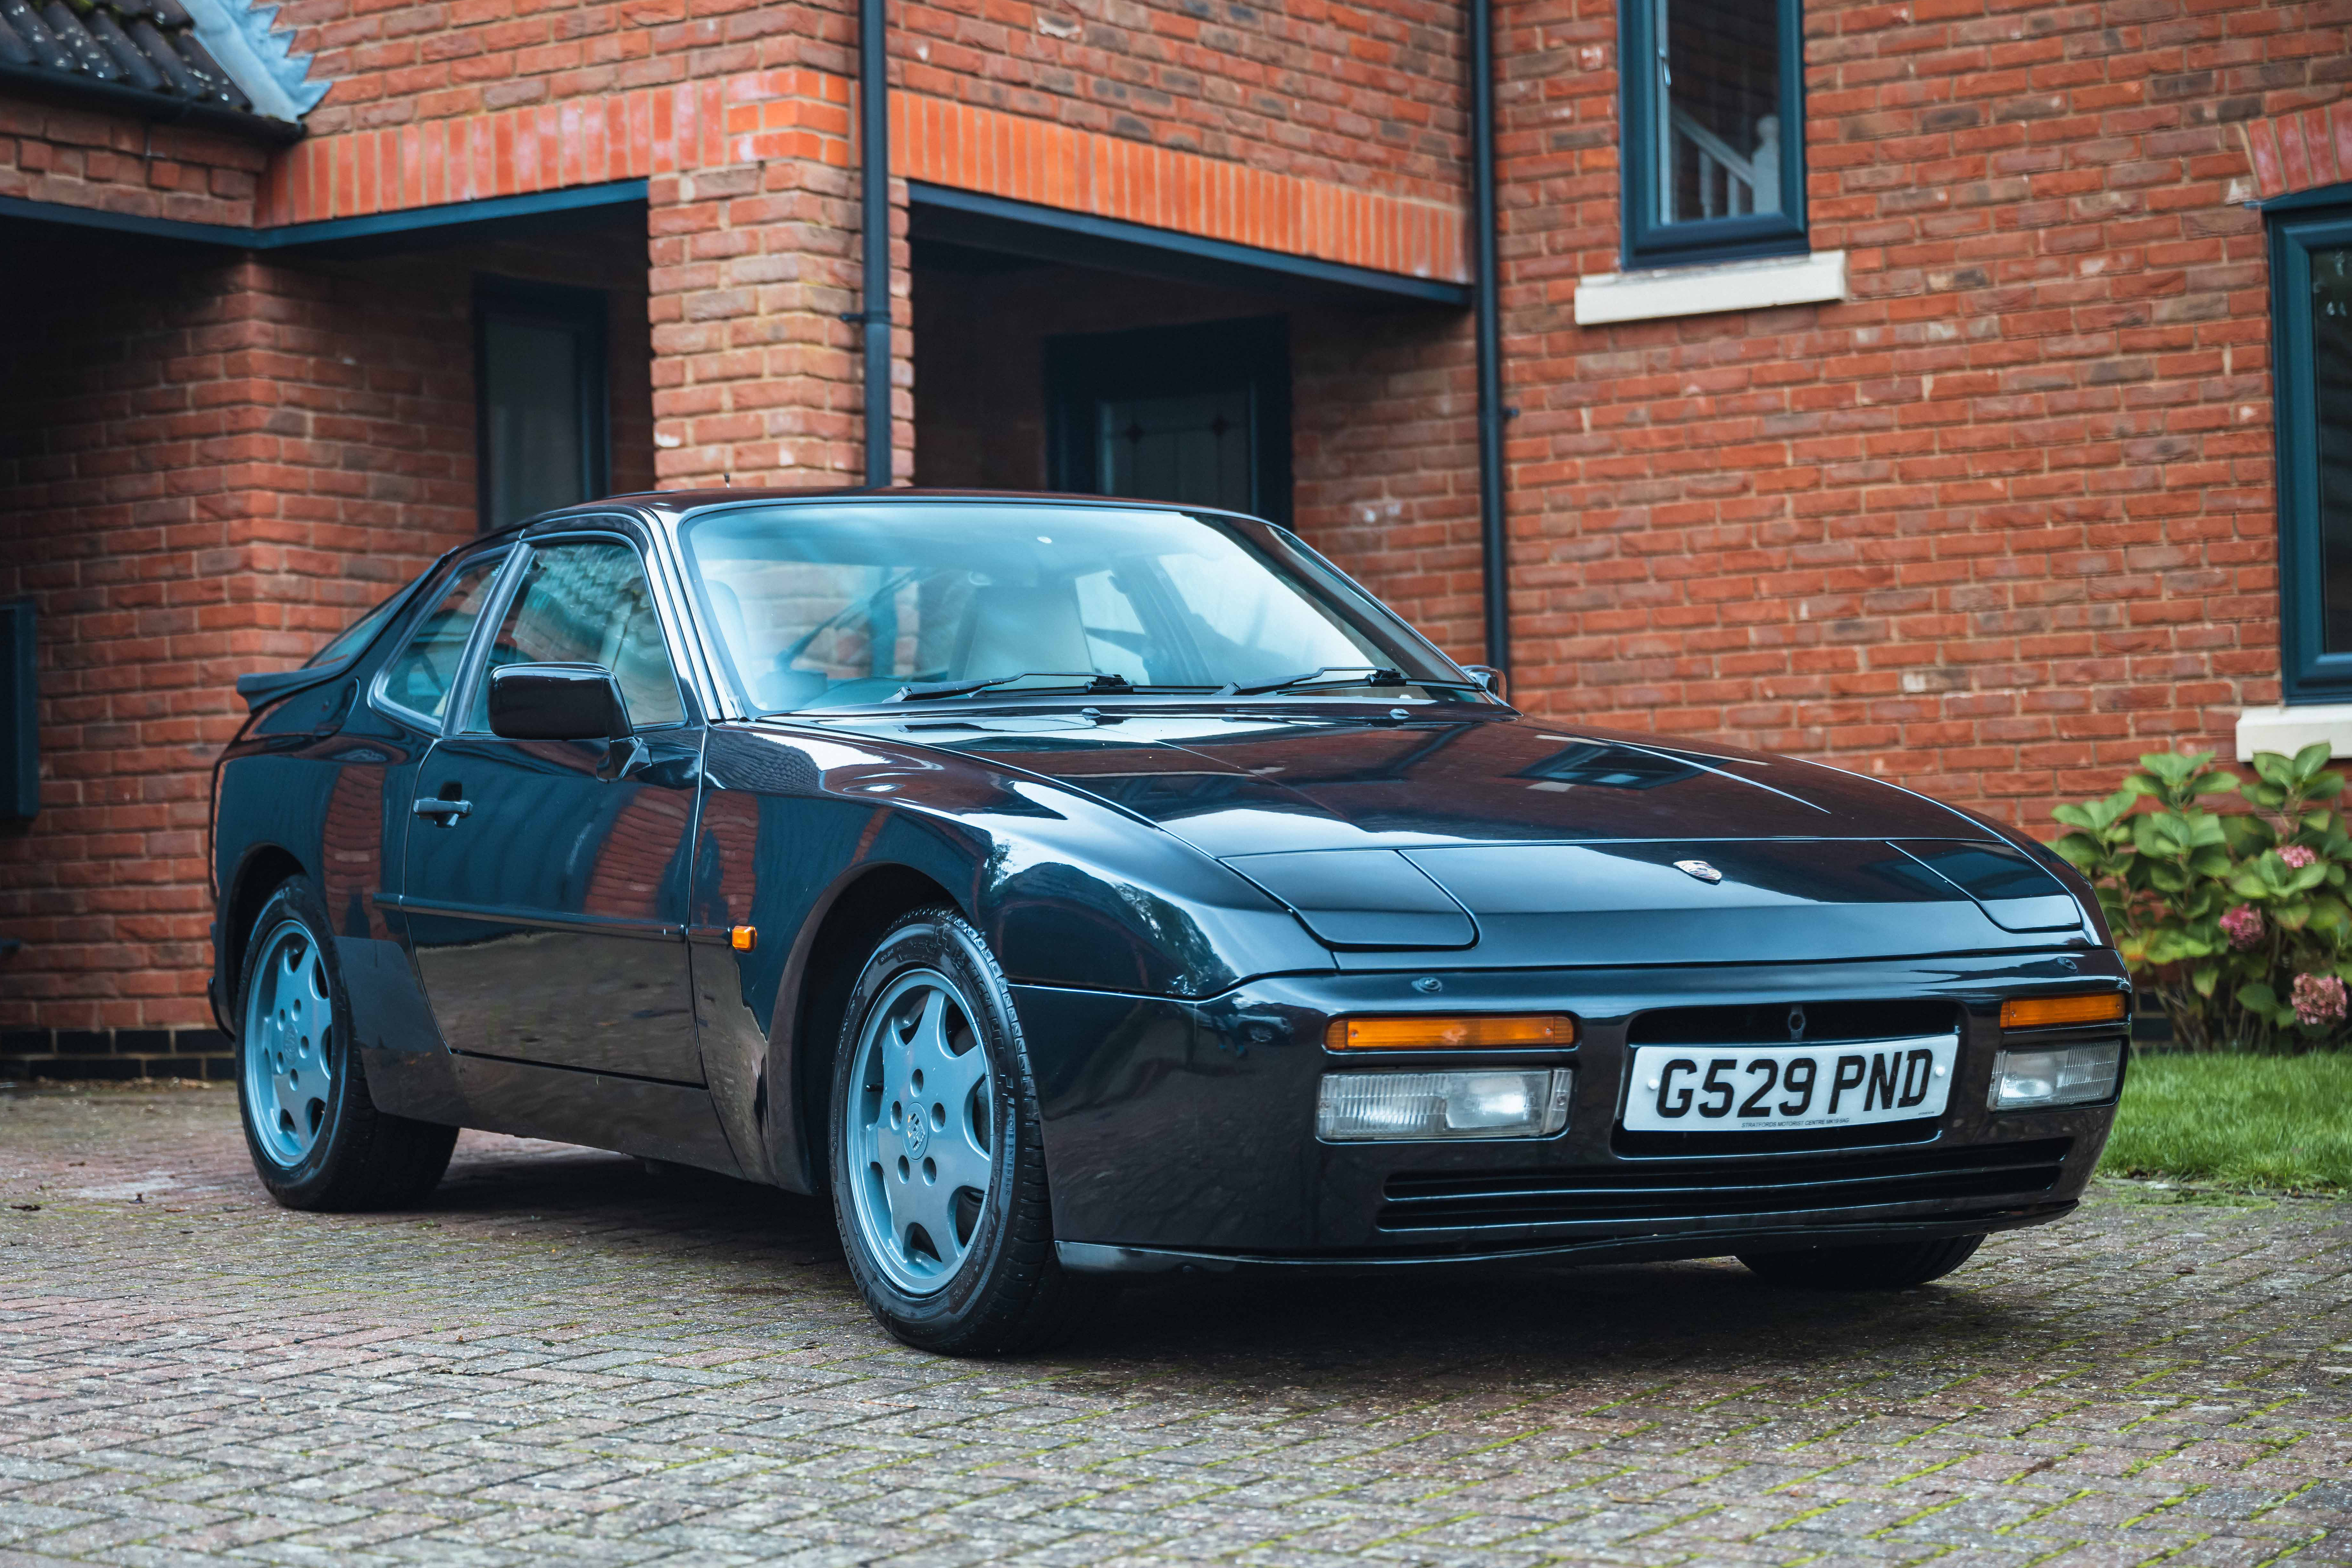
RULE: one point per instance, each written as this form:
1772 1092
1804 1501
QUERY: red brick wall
50 153
208 467
1999 523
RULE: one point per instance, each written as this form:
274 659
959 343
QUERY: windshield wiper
1350 675
1093 681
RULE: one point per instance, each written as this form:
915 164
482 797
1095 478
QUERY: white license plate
1758 1088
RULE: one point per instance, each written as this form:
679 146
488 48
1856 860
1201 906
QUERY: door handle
449 811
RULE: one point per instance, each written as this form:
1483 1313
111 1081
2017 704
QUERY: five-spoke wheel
938 1150
290 1017
920 1131
317 1139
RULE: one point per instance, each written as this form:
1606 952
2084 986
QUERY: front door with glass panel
1197 414
548 916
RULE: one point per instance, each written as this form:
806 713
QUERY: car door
544 884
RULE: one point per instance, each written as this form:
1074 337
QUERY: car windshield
821 605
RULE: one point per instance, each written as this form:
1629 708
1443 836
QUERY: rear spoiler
263 687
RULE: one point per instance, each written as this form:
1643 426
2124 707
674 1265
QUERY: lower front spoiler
1101 1257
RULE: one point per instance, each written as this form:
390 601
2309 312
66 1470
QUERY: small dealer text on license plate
1741 1088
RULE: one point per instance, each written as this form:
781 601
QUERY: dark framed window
2310 314
541 397
1713 139
1196 413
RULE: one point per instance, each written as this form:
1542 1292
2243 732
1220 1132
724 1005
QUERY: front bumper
1182 1134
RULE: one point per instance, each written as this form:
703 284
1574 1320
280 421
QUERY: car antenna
727 480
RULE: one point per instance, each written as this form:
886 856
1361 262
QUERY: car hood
1535 841
1240 783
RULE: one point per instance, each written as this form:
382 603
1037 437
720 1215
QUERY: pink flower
2297 856
2319 1000
2243 926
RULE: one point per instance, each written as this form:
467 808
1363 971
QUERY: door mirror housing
1493 679
557 702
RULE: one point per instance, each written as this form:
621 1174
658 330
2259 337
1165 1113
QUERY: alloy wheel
918 1132
289 1075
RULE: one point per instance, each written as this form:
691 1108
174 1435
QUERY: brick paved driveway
566 1358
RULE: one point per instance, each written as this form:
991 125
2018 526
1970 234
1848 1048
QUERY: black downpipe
1493 536
873 171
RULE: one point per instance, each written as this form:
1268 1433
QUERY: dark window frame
20 715
2306 672
586 312
1649 243
1085 370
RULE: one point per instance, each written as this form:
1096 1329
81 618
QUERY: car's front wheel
1892 1266
317 1139
937 1158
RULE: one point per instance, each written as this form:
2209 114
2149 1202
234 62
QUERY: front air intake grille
1450 1200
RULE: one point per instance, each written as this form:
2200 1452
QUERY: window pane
419 680
589 603
2331 368
1193 449
532 407
1719 78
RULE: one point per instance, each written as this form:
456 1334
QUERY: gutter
89 92
874 176
1494 536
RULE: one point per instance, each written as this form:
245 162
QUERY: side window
1715 131
420 677
587 602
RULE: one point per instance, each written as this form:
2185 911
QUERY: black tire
1892 1266
1009 1294
360 1157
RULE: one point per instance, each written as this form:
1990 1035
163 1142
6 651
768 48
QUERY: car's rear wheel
317 1139
1892 1266
938 1158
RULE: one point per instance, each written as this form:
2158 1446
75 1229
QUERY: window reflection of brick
636 852
350 866
728 858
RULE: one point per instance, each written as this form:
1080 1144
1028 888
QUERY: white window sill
1659 292
2290 730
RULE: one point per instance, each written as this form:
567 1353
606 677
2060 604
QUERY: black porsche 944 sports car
1075 889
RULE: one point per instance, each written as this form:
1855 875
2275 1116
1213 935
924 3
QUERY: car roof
676 505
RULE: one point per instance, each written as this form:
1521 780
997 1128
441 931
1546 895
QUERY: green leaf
2257 997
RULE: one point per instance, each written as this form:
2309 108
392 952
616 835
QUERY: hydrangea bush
2234 921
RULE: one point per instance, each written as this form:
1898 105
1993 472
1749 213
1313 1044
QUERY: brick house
1955 390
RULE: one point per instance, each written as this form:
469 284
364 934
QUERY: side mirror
557 702
1493 679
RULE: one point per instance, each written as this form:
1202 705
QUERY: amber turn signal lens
1428 1033
2056 1011
743 938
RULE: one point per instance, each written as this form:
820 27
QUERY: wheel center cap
918 1131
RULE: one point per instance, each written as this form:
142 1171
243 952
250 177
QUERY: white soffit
1652 295
2290 730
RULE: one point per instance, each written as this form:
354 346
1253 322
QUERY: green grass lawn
2281 1122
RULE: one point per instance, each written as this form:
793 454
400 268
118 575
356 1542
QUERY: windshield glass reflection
817 606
